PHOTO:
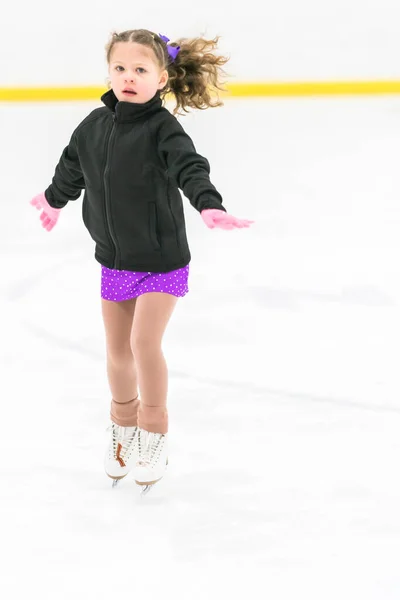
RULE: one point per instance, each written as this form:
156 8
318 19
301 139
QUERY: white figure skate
121 453
152 459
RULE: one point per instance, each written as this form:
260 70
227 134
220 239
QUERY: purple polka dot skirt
118 286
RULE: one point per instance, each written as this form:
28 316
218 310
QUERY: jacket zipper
111 232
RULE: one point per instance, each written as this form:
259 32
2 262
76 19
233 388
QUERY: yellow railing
237 90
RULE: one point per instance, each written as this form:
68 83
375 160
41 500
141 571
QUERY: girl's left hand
213 217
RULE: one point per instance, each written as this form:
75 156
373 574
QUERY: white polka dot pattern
119 285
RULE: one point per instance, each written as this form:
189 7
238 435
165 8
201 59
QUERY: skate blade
116 480
146 489
147 486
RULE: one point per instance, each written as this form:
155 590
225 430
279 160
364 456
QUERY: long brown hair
194 77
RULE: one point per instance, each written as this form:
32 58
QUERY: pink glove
213 217
49 216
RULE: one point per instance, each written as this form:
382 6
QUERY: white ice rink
283 479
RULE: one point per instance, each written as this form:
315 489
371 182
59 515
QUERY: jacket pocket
153 232
173 216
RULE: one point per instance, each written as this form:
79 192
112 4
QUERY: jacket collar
129 111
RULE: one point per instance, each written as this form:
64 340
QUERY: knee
144 346
119 355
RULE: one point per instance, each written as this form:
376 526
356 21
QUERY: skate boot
121 453
152 458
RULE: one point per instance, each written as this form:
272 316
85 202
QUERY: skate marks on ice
283 486
89 349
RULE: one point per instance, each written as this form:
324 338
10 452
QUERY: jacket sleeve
68 181
189 170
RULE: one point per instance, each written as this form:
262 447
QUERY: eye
141 70
119 67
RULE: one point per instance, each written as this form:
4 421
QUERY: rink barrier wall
236 90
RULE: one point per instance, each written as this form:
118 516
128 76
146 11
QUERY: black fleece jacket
131 160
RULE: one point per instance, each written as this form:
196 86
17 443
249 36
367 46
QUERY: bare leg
121 371
152 313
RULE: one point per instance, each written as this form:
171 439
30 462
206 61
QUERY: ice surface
284 379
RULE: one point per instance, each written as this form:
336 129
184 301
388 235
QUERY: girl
132 157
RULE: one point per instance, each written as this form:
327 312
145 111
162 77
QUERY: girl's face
134 72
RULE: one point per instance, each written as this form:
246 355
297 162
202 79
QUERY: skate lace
118 438
150 446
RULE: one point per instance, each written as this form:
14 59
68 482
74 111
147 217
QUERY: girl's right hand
49 216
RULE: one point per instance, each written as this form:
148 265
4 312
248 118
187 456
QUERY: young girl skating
132 157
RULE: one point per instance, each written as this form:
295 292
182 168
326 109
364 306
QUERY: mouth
129 92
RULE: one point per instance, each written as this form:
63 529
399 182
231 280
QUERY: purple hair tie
173 51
